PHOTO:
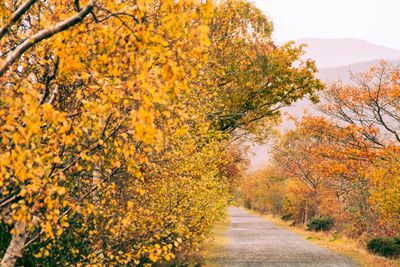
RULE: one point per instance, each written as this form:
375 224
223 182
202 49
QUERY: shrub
320 224
286 217
247 204
387 247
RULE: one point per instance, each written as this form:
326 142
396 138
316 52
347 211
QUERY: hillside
331 53
344 73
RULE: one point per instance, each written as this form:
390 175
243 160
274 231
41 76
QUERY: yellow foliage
116 119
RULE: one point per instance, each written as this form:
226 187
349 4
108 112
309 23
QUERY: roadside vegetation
213 248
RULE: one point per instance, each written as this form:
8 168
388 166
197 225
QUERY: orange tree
370 109
351 153
336 159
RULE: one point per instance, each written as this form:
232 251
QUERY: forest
123 127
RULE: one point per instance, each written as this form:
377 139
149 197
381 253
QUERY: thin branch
94 188
16 16
45 34
54 95
77 5
8 200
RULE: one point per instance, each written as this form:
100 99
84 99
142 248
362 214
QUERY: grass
216 243
340 244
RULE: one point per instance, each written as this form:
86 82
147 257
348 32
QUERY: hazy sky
376 21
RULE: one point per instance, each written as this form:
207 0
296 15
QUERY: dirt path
253 241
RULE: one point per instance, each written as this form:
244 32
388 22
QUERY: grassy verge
214 246
340 244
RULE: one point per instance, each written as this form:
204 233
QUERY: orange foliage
345 165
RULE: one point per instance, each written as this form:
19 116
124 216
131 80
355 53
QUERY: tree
263 190
80 133
254 78
371 104
296 155
368 110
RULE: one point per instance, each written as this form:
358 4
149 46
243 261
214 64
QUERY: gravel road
253 241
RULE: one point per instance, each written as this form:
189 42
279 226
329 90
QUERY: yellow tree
254 77
82 106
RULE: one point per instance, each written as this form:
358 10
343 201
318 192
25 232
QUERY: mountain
344 73
330 53
339 59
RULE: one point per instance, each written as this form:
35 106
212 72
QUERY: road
253 241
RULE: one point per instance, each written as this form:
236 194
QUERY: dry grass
340 244
216 243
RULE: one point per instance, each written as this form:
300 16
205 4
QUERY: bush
247 204
320 224
387 247
286 217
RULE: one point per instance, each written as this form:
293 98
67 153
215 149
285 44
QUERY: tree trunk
16 246
96 182
316 202
98 245
306 213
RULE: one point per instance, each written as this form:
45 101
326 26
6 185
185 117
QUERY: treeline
342 165
119 119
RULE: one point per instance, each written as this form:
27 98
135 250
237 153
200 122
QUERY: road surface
253 241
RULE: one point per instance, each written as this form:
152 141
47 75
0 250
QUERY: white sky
376 21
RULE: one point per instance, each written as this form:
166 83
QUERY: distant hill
329 75
344 73
331 53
